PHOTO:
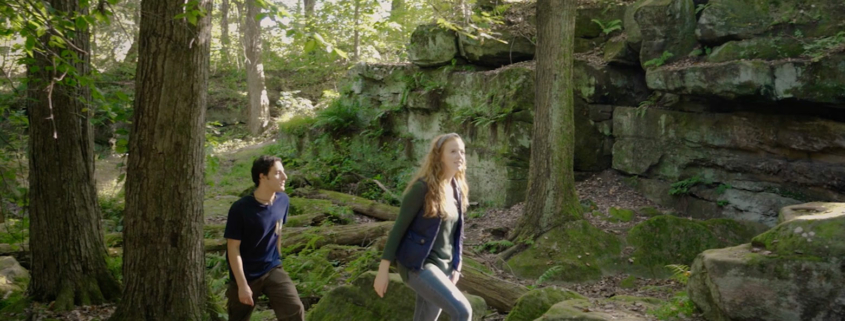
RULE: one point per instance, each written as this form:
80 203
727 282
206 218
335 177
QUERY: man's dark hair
262 165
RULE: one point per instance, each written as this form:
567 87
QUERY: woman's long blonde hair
431 173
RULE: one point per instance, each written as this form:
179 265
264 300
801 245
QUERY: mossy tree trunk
163 262
551 199
259 104
225 58
66 241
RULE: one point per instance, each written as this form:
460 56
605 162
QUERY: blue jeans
436 292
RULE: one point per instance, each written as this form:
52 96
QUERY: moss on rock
580 248
299 205
620 214
358 301
820 235
535 303
757 48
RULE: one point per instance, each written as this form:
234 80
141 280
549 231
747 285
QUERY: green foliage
657 62
339 117
683 187
722 203
644 105
722 188
15 231
548 275
680 307
112 208
312 272
115 266
680 272
494 246
365 261
298 125
701 7
610 27
822 46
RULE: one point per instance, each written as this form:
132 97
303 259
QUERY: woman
426 239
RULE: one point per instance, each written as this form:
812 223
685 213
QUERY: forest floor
601 190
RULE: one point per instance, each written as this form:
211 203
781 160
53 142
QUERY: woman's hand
455 276
382 278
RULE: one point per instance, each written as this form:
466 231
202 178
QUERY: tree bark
164 268
356 34
132 53
259 104
552 199
66 241
309 9
225 57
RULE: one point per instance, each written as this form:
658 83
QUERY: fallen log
358 204
294 240
499 294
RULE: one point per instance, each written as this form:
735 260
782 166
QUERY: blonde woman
426 239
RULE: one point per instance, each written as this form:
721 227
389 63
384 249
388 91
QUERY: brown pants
278 287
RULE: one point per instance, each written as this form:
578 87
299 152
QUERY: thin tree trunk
132 53
259 104
240 53
163 258
66 241
552 199
225 58
309 11
357 36
397 9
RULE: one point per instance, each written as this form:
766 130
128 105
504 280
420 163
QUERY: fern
680 272
657 62
610 27
550 273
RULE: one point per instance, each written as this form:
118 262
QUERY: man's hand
245 295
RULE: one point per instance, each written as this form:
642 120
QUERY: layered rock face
729 109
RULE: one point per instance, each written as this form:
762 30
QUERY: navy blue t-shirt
257 226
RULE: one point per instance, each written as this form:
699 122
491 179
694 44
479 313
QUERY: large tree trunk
360 205
499 294
551 199
163 258
225 59
259 104
66 241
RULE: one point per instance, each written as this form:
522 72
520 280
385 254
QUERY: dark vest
418 240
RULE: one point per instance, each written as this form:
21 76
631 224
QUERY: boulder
581 249
358 301
617 51
13 277
817 81
533 304
665 26
757 48
598 83
725 20
788 213
620 307
731 80
791 272
488 52
432 46
667 239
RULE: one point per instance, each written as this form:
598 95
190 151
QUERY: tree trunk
397 9
259 104
132 53
239 53
357 37
163 259
552 199
225 59
66 241
309 10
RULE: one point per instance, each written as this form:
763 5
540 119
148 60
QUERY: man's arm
237 265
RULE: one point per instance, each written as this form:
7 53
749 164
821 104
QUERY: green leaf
310 45
192 20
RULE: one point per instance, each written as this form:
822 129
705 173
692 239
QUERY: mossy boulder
533 304
668 239
13 277
788 213
581 249
665 26
757 48
358 301
608 84
432 46
620 307
724 20
487 52
616 51
819 235
746 283
818 81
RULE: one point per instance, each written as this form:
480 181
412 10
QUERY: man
253 242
